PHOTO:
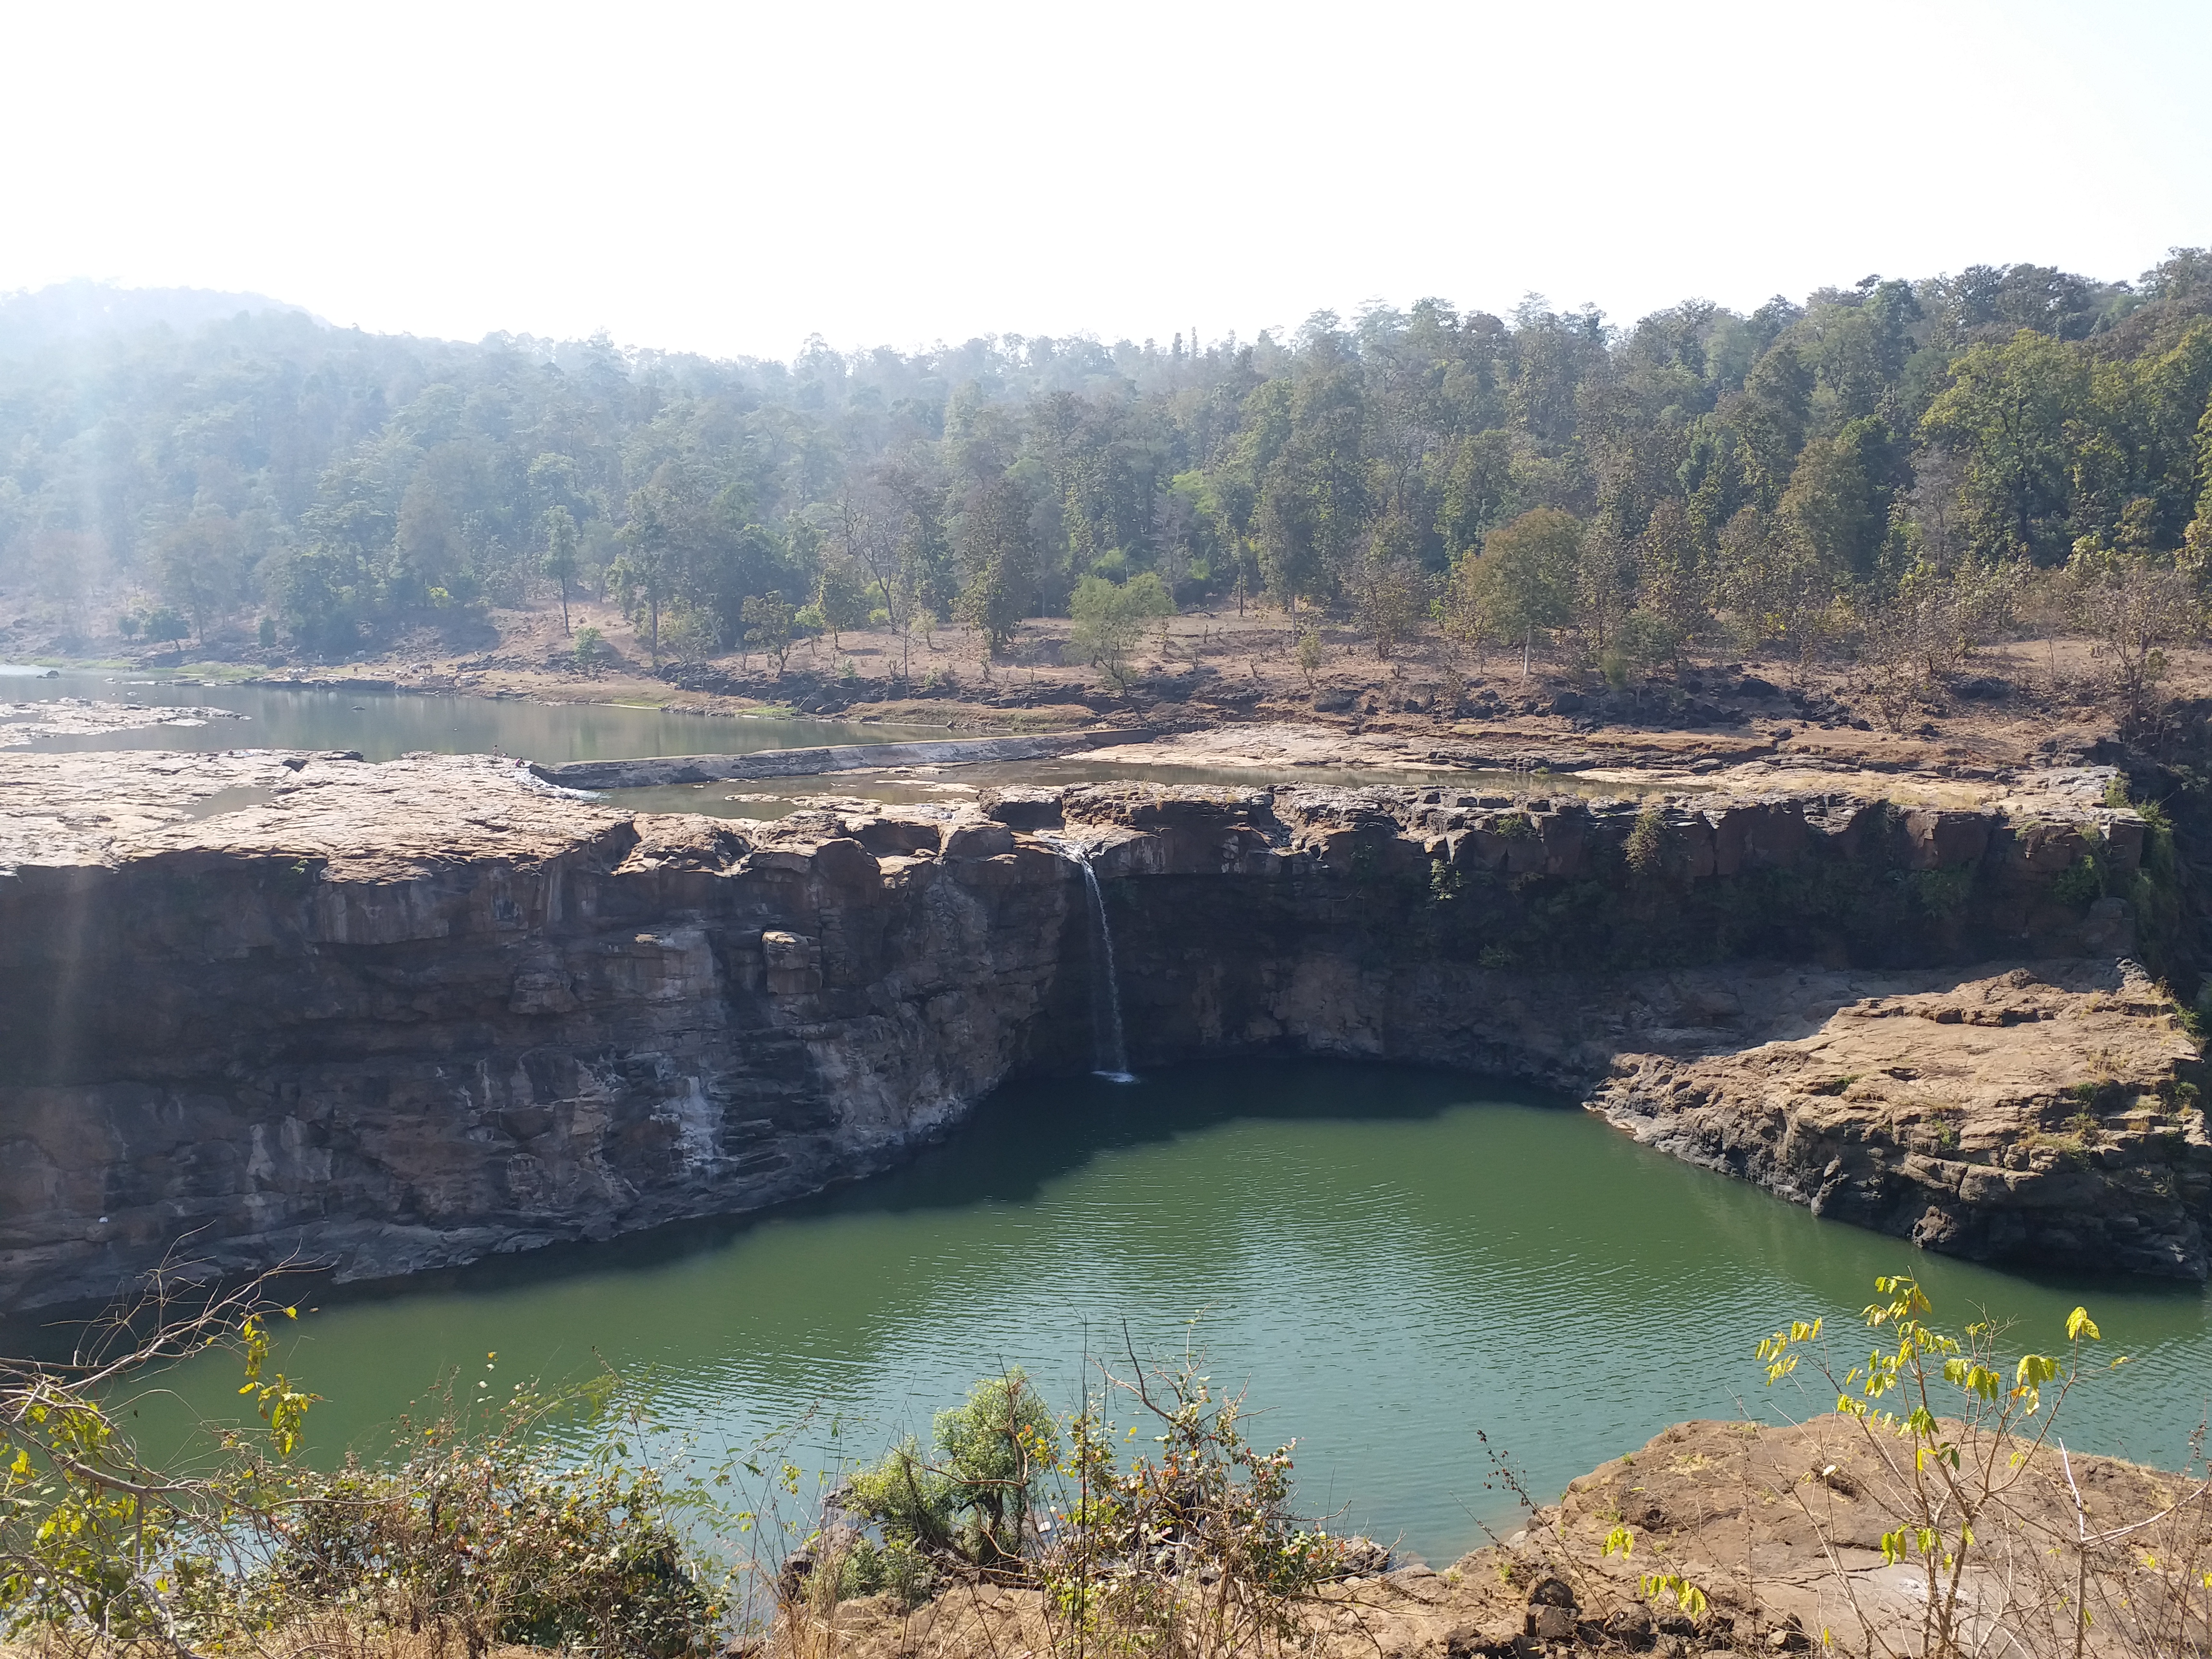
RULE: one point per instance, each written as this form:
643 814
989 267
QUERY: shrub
1109 620
478 1529
1646 842
997 1447
589 646
1193 1551
767 619
897 1568
1196 1550
911 1500
490 1537
1990 1523
2081 882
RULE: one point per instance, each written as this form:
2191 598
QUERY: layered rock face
418 1014
1919 1021
383 1018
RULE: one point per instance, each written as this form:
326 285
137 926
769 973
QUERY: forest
1888 473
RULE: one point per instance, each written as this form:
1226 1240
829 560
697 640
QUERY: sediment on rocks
386 1017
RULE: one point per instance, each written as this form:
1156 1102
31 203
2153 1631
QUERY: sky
735 178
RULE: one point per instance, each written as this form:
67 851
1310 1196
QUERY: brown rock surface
395 1015
256 1006
1779 1527
2032 1114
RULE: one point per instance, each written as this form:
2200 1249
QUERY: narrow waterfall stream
1110 1051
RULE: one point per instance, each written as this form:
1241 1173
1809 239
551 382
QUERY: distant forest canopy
1899 456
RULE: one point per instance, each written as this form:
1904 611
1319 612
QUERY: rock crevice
400 1015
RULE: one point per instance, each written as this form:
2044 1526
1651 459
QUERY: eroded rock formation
390 1017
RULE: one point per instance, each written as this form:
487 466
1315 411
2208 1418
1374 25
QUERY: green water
1392 1259
384 725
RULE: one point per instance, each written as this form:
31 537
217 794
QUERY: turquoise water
1390 1259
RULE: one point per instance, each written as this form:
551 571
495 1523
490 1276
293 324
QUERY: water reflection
1393 1258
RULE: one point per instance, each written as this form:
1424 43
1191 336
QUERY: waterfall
1109 1053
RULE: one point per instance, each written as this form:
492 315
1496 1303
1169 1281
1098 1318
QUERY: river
384 725
1390 1259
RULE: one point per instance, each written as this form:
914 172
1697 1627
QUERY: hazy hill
80 307
1881 468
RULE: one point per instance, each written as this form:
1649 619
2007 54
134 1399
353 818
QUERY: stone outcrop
404 1015
658 770
2035 1115
390 1016
1780 1527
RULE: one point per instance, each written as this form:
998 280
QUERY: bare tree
2134 607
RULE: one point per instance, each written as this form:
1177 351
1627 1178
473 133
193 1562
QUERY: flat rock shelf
390 1016
662 770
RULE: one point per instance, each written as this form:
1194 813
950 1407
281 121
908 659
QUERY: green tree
1841 494
1109 620
2010 414
164 626
1774 586
1478 490
768 628
588 649
662 527
841 594
999 555
1771 419
1604 586
1523 580
561 542
1672 585
198 563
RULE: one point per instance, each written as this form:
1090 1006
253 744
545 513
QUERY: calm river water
384 725
1390 1259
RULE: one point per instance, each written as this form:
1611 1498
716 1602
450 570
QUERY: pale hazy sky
733 178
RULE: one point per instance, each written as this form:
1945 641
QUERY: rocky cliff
257 1007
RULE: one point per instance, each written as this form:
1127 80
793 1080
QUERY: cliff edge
259 1007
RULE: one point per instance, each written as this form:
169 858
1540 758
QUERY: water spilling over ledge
399 1016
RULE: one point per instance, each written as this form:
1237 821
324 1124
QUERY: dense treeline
1883 469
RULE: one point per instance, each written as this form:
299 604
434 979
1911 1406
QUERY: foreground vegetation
1172 1534
1887 472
